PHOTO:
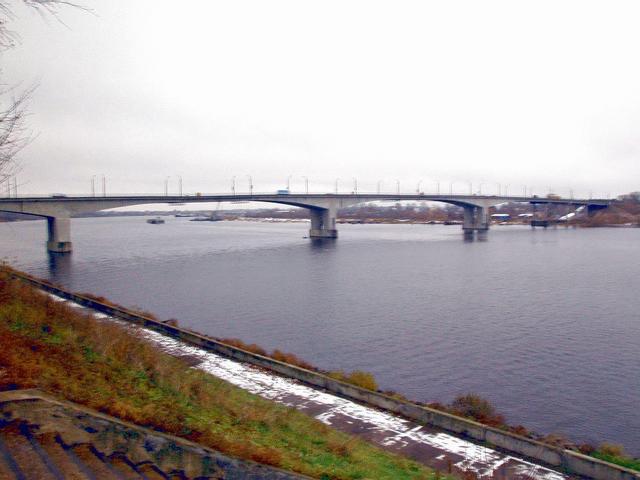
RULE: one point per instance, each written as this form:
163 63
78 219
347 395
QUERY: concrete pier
476 219
323 223
59 234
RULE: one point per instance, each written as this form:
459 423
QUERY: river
544 323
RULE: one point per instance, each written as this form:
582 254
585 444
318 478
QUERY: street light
306 185
418 187
233 185
480 188
506 190
93 185
337 180
470 188
288 182
397 186
166 186
250 184
104 185
180 185
438 187
378 186
355 185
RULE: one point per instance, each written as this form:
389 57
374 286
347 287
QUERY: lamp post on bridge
179 185
355 185
233 185
437 187
397 186
306 185
418 187
93 185
104 185
250 184
378 184
470 188
289 183
336 190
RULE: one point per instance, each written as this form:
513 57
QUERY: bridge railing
244 196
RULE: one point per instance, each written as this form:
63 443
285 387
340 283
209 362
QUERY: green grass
101 365
623 461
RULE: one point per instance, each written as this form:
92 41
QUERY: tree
14 135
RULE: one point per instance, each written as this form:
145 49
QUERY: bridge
323 208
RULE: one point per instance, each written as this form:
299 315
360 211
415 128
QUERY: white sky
544 94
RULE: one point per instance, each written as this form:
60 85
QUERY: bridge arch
323 208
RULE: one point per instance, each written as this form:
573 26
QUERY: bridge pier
323 223
59 234
476 219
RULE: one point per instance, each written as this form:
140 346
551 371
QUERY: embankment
565 460
69 353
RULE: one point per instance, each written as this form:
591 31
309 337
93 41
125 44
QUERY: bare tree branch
14 135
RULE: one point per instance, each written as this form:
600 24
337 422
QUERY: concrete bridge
323 208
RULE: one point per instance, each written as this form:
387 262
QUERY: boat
155 221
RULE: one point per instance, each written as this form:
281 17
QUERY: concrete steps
25 455
49 439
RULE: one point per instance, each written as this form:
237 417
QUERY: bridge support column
59 234
323 223
476 219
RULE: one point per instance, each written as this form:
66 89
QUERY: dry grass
357 377
474 406
102 365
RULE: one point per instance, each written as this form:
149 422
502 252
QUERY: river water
544 323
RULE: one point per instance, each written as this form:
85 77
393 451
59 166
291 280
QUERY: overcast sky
544 94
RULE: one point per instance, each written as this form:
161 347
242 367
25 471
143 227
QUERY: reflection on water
322 243
60 265
544 323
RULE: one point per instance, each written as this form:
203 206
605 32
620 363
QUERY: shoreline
467 428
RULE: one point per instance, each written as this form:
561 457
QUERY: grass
357 377
613 453
51 346
623 461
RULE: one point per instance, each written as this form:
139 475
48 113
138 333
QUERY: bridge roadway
323 208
